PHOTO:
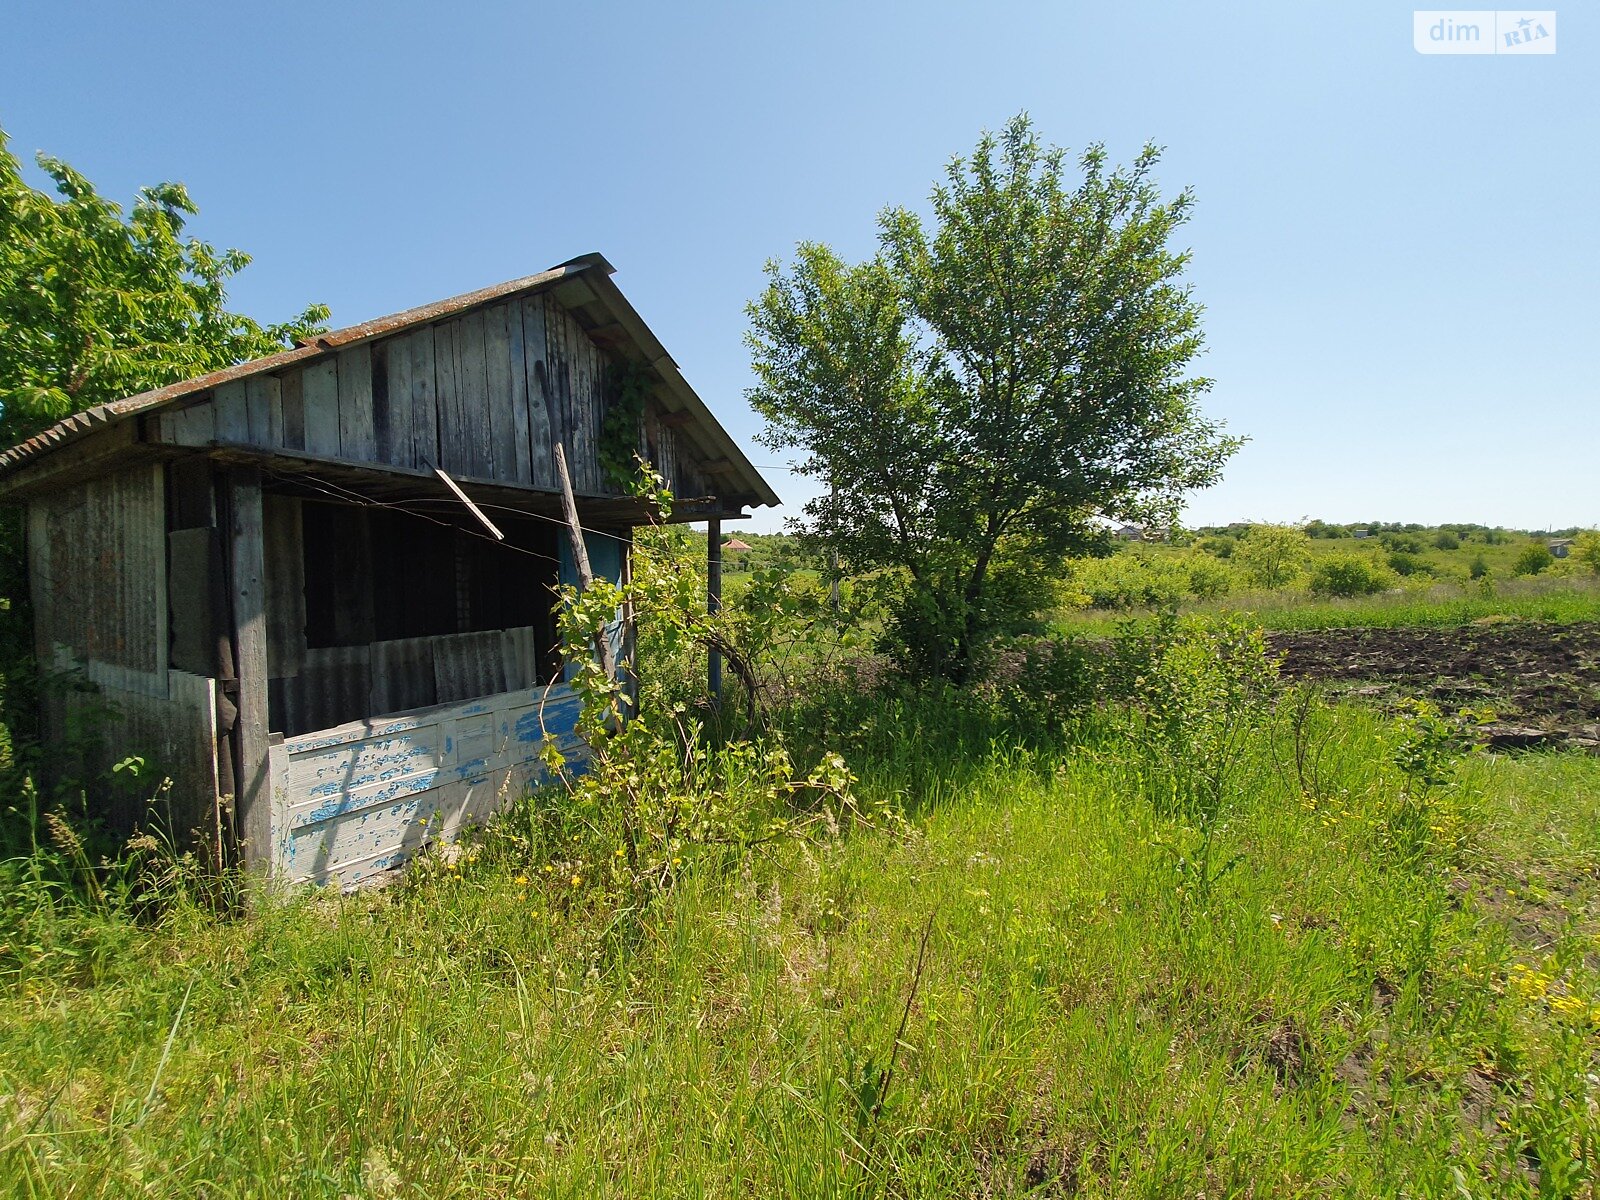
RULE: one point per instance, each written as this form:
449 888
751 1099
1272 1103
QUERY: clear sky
1398 253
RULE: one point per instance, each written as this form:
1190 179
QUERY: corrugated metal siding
98 565
359 799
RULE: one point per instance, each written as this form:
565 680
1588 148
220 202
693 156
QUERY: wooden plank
321 394
533 349
294 411
472 380
391 401
195 425
503 457
284 559
424 399
320 404
264 402
520 458
356 439
232 414
247 561
453 453
558 378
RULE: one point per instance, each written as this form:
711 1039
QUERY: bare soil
1541 680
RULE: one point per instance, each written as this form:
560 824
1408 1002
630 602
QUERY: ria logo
1483 31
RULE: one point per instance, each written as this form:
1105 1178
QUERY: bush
1348 575
1403 562
1479 568
1402 544
1586 550
1221 547
1445 540
1208 578
1535 557
1126 581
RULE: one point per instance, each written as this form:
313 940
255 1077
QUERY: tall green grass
1340 1016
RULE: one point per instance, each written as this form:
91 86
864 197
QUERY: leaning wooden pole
580 557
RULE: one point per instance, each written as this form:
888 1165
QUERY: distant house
1129 533
1361 533
1560 547
735 544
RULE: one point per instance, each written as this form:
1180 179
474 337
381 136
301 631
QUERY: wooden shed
263 581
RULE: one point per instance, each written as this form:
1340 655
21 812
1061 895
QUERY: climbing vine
623 424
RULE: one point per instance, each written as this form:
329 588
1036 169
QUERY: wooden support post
247 600
714 602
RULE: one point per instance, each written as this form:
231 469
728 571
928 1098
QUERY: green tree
1273 555
95 305
1586 549
1533 558
988 388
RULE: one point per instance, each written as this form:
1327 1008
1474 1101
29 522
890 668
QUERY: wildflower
676 861
521 880
1570 1006
576 880
621 852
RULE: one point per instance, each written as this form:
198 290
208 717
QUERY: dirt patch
1541 680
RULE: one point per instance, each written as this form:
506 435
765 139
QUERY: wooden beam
247 588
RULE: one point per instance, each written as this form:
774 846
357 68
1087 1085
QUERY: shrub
1479 568
1348 575
1586 550
1208 578
1402 543
1403 562
1126 581
1445 540
1535 557
1221 547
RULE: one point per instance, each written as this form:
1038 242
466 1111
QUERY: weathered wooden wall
97 559
463 394
98 569
357 800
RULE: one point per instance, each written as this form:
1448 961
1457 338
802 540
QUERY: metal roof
594 269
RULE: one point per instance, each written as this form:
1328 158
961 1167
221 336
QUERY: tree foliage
992 384
96 305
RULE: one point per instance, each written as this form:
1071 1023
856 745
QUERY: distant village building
735 544
1130 533
315 590
1561 547
1361 533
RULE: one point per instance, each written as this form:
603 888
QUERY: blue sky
1398 253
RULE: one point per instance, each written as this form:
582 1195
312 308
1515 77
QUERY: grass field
1395 991
1558 600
